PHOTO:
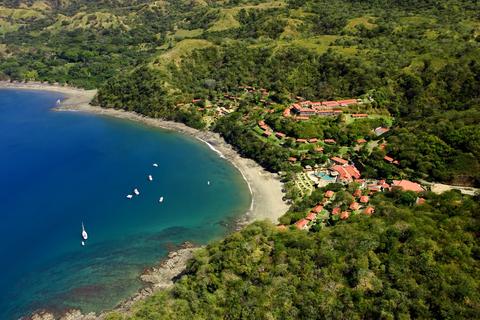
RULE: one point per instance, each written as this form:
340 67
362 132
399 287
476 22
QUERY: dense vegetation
417 63
404 262
417 59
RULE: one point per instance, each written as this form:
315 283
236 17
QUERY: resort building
339 160
381 130
301 224
406 185
369 211
359 115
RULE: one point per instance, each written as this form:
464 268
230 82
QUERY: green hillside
239 68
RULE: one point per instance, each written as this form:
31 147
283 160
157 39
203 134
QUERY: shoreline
265 190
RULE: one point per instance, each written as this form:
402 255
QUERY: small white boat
155 165
84 233
208 182
83 243
136 191
58 101
150 177
160 200
129 196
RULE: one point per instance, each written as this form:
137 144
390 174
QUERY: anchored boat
84 233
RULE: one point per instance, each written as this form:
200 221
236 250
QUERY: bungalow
261 123
359 115
267 133
344 215
336 211
364 199
339 160
354 206
287 113
303 118
280 135
361 141
368 211
297 109
301 140
301 224
318 149
388 159
346 173
406 185
347 102
329 141
330 104
329 193
318 208
357 193
328 112
381 130
313 140
420 201
311 216
292 159
196 100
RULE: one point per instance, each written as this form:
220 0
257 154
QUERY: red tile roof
388 159
347 172
267 133
364 199
261 123
357 193
301 118
329 193
336 211
344 215
369 210
339 160
292 159
318 208
406 185
347 102
359 115
280 134
318 149
381 130
354 206
301 224
313 140
311 216
329 141
302 140
361 141
420 201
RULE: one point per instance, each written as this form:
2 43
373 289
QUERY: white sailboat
136 191
160 200
155 164
150 178
83 243
129 196
84 233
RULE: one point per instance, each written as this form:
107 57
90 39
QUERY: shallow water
58 169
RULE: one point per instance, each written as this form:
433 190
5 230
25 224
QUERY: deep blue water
58 169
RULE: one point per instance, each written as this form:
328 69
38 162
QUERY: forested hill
417 59
236 66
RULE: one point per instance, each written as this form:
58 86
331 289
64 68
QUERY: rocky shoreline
156 278
265 188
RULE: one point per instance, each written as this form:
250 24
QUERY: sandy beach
265 188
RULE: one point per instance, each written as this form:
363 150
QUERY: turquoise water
325 176
58 169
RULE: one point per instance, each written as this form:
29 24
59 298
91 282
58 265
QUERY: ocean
59 169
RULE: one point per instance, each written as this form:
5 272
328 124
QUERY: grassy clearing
227 19
319 44
20 13
180 49
367 22
83 20
183 33
291 29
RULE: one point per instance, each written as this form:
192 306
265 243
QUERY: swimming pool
325 176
